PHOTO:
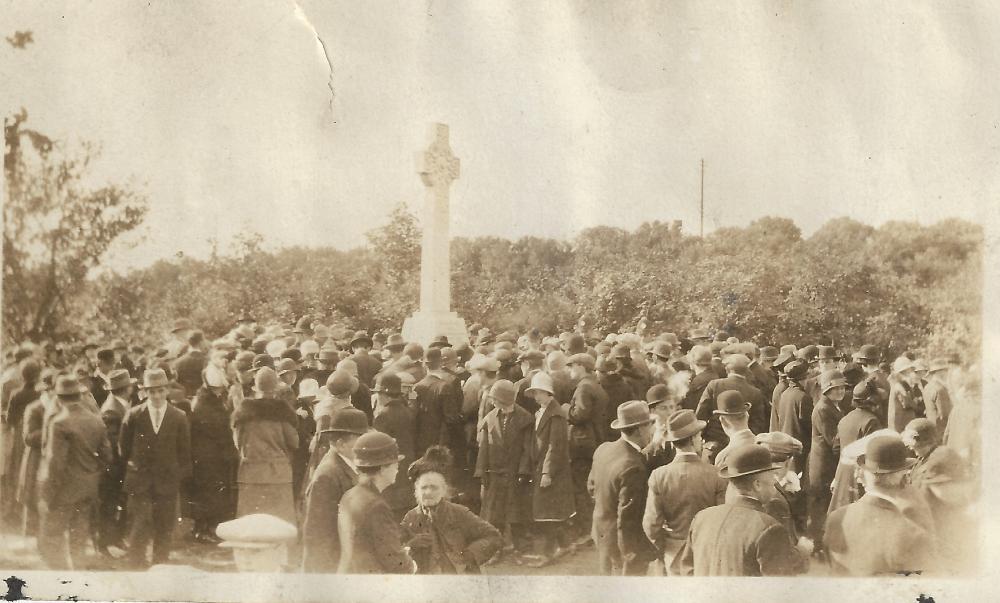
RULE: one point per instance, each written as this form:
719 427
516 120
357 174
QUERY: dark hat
395 342
181 324
294 353
657 394
885 454
632 414
731 403
375 449
605 364
436 459
388 383
797 369
339 383
583 359
621 351
768 352
261 361
779 444
118 379
863 394
866 353
853 373
683 424
747 460
924 431
808 353
782 361
287 365
826 352
662 349
328 355
698 334
361 337
154 378
532 356
68 386
830 379
503 390
349 420
304 325
440 341
106 354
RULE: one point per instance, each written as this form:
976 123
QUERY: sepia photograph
455 301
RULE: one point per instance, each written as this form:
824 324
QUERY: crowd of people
703 455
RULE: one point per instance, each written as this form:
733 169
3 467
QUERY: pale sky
565 115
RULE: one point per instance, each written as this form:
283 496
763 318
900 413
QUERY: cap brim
731 413
691 429
910 462
532 390
728 475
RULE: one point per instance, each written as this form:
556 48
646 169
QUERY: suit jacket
855 425
320 537
75 456
588 418
902 406
619 391
937 404
873 537
795 418
696 388
617 482
435 393
503 458
399 421
461 541
763 379
677 492
156 463
368 367
737 539
369 535
707 404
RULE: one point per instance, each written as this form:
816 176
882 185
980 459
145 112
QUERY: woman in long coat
266 435
824 454
553 502
213 457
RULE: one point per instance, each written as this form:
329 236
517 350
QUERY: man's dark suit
707 404
320 539
156 464
618 483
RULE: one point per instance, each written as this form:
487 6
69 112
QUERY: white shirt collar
349 462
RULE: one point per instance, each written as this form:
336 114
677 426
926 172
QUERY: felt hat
361 337
374 449
866 353
768 353
395 342
261 361
808 353
265 382
731 403
328 355
796 369
303 326
436 459
826 352
503 390
781 445
308 389
683 424
68 386
782 361
541 382
830 379
440 341
662 350
631 414
657 394
348 420
154 378
748 460
388 383
582 359
339 383
863 394
885 454
286 365
118 379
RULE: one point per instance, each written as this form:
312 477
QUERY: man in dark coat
824 452
188 367
105 366
618 485
761 375
738 538
434 393
111 512
75 456
794 410
588 421
873 536
155 445
368 365
937 400
213 459
617 388
862 420
399 422
700 359
532 362
737 380
503 465
370 539
335 475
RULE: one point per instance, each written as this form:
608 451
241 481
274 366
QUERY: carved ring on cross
440 165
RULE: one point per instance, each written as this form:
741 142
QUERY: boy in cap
503 465
680 489
370 540
336 474
618 485
738 538
75 454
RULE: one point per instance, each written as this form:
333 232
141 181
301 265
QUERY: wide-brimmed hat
541 382
866 353
154 378
731 403
395 342
748 460
349 420
781 445
826 352
303 326
632 414
503 391
657 394
698 334
830 379
683 424
808 353
361 337
388 383
68 386
374 449
662 350
440 341
768 353
118 379
181 324
885 454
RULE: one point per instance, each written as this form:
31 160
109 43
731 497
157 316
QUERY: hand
302 413
546 481
805 545
421 541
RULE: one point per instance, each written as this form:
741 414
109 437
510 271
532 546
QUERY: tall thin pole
702 226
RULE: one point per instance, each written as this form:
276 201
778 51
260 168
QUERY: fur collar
264 409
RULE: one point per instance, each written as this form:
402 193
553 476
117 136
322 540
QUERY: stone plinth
424 326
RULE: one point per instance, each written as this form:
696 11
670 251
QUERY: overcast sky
564 114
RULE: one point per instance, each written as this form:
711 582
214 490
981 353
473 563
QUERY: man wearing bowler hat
397 420
737 379
739 538
680 489
618 484
872 536
75 454
370 541
662 404
155 445
336 474
733 416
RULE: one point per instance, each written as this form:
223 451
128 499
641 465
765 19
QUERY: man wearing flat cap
680 489
738 538
618 484
873 536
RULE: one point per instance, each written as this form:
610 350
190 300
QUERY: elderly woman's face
430 489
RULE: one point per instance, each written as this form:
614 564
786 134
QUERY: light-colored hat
901 364
215 377
308 388
154 378
632 414
541 382
258 530
309 347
